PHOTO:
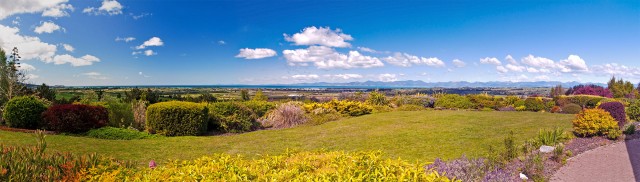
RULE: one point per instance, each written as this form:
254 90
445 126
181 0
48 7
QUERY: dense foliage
377 98
24 112
259 107
112 133
634 110
622 89
453 101
616 109
300 166
75 118
417 100
590 90
231 117
572 108
350 108
534 104
176 118
286 115
481 101
593 122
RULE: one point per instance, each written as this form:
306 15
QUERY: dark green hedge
24 112
177 118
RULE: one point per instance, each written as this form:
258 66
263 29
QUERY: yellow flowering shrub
351 108
591 122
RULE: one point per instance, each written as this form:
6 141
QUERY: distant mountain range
418 83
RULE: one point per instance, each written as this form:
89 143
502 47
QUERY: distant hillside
418 83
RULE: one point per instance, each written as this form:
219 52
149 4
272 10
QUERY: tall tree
11 79
43 91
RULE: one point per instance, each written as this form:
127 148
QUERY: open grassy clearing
416 135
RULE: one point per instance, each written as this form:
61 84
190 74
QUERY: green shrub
572 109
586 101
419 100
633 111
351 108
481 101
24 112
630 130
592 122
300 166
177 118
112 133
231 117
511 100
377 98
534 104
120 114
453 101
519 103
259 107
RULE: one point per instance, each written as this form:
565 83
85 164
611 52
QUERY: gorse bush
481 101
75 118
24 112
616 110
112 133
259 107
534 104
572 109
377 98
176 118
231 117
286 115
592 122
322 115
633 111
351 108
302 166
511 100
453 101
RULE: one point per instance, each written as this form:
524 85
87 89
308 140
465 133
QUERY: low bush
481 101
286 115
552 137
176 118
586 101
377 98
259 107
616 109
534 104
556 109
633 111
112 133
630 130
453 101
120 113
594 122
231 117
75 118
350 108
420 100
519 103
511 100
24 112
301 166
572 109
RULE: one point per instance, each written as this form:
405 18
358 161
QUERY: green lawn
417 135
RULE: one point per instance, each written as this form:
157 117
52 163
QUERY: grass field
416 135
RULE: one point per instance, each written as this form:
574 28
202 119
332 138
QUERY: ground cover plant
112 133
411 135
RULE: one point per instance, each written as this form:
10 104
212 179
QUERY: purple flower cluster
592 90
616 109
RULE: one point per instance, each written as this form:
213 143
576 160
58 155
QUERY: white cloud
573 64
58 11
26 67
68 47
257 53
458 63
501 69
541 78
149 53
488 60
346 76
221 42
323 36
510 59
30 47
110 7
366 49
9 7
31 76
328 58
47 27
542 70
125 39
616 69
85 60
407 60
515 68
153 41
387 77
95 75
142 15
92 74
539 62
305 77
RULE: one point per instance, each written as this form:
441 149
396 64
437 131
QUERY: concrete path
616 162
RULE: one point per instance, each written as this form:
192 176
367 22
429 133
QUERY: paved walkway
616 162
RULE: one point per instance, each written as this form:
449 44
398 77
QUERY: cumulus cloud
257 53
488 60
30 47
502 69
616 69
515 68
110 7
31 76
323 36
305 77
407 60
47 27
8 7
125 39
85 60
538 62
387 77
58 11
510 60
26 67
345 76
366 49
327 58
458 63
149 53
68 47
95 75
153 41
573 64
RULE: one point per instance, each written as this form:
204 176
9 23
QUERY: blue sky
144 42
